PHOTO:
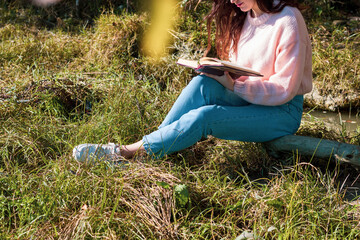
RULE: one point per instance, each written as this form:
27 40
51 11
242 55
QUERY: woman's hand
226 80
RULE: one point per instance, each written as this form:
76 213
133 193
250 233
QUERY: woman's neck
256 12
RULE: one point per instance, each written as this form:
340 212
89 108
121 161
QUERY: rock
330 102
355 19
339 22
271 228
246 235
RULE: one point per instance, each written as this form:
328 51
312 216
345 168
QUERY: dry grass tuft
152 203
115 37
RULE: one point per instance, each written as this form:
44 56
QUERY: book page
217 65
188 63
210 61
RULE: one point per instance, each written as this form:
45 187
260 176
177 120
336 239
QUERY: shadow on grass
67 15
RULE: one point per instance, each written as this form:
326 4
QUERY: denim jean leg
254 123
201 91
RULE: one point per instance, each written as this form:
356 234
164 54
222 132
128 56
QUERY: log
315 147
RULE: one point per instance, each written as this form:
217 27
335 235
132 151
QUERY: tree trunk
315 147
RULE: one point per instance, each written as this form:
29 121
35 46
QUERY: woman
267 36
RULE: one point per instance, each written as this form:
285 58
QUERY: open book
217 67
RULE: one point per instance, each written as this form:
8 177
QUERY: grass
335 61
67 84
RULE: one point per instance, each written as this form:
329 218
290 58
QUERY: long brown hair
229 20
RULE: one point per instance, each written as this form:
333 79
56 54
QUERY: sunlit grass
336 65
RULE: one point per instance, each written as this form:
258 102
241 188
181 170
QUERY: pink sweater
278 46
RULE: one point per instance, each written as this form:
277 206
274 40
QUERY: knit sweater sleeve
288 69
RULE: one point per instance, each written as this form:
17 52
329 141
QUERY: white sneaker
97 152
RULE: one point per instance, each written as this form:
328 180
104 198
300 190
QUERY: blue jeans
205 107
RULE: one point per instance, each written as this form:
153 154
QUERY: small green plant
181 195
